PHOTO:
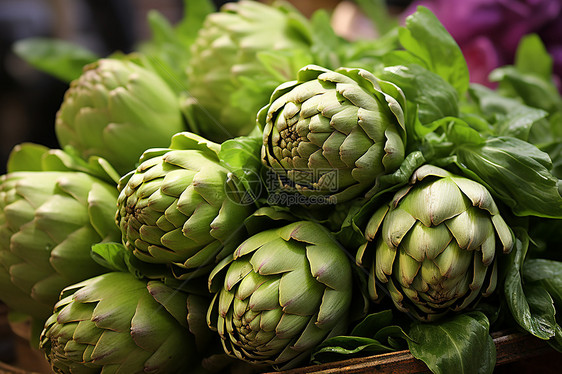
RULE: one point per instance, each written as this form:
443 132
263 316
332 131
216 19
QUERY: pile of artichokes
290 198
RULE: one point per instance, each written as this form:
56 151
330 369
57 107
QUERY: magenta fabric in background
488 31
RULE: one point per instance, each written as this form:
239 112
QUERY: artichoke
117 109
181 208
48 222
228 79
116 323
332 133
285 290
435 244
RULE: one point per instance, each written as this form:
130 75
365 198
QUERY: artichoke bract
225 62
116 323
181 208
48 222
332 133
435 245
116 110
284 291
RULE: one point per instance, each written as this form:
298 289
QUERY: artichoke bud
118 323
435 245
48 222
332 133
181 208
115 110
281 293
229 76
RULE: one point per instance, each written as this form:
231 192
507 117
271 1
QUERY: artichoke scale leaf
206 255
406 268
334 307
269 319
422 242
74 312
290 325
384 259
505 234
236 272
396 225
471 228
255 242
114 347
239 307
267 286
86 331
174 301
375 221
278 256
310 337
299 292
477 193
454 261
394 151
329 264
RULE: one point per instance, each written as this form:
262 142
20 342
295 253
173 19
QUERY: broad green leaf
110 255
460 344
532 90
460 133
426 38
516 172
59 58
548 273
372 323
345 347
508 116
530 307
241 156
434 97
533 58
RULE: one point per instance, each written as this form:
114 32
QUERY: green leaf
533 58
346 347
508 116
372 323
434 97
460 133
515 171
425 38
530 307
534 91
461 344
59 58
548 273
111 256
241 156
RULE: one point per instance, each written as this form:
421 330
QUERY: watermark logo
296 187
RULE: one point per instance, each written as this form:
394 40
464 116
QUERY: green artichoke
116 323
228 79
332 133
117 109
48 222
434 245
285 290
181 208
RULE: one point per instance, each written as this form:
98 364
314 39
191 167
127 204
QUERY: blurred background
29 99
